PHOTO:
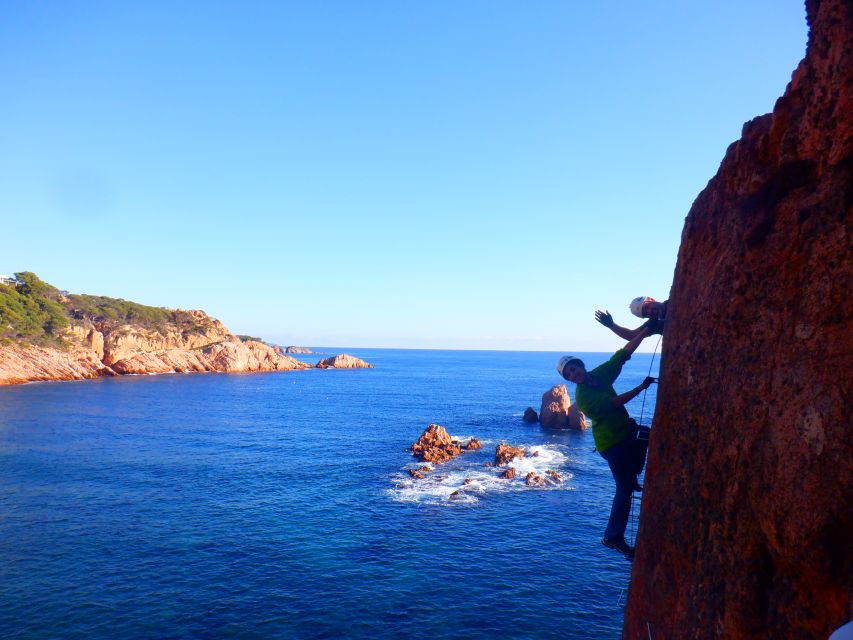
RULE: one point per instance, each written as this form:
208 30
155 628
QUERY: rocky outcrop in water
746 521
343 361
558 412
505 454
530 415
298 350
435 445
473 444
533 479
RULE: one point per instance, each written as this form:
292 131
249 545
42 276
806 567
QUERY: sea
280 505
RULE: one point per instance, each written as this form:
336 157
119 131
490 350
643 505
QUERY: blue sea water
279 505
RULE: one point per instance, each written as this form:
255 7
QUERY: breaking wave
445 484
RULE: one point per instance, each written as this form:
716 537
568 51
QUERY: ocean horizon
279 505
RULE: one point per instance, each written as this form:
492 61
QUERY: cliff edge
747 517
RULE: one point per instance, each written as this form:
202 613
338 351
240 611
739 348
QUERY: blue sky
465 174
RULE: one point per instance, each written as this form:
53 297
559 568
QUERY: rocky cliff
747 517
97 350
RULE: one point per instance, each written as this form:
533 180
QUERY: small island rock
343 361
435 445
293 349
557 411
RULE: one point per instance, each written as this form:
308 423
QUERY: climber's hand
604 318
645 384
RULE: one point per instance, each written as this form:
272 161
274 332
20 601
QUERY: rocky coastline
92 347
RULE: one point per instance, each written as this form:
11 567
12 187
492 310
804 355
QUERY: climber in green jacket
613 430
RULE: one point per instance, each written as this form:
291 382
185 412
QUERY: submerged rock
473 444
435 445
505 453
509 474
557 411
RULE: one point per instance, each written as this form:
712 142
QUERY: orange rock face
509 474
746 523
343 361
473 444
129 349
557 411
533 480
435 445
505 453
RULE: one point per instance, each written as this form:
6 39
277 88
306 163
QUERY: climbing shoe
621 546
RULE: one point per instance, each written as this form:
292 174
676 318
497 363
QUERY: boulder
435 445
533 480
473 444
509 474
557 411
505 453
343 361
530 415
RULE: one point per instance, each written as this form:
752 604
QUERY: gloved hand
645 384
604 318
654 325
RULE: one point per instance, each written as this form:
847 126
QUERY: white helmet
562 362
636 305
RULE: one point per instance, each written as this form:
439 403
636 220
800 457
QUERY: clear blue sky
439 174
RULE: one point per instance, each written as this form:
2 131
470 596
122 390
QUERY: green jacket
595 398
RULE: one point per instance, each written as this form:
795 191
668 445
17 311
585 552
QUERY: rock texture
747 517
34 364
103 350
435 445
473 444
558 412
343 361
530 415
505 454
534 480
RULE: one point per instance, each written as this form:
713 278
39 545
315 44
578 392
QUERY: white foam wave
445 484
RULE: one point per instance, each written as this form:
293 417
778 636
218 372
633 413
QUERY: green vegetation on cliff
36 312
31 311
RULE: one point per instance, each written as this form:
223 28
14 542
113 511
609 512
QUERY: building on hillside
7 280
